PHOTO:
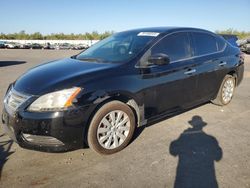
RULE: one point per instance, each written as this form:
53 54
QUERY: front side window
118 47
204 44
176 46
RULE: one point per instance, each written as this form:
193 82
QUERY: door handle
222 63
190 71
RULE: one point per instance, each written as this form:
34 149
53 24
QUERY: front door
173 86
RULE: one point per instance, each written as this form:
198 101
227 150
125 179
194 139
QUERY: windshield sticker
149 34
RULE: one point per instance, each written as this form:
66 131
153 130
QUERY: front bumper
47 131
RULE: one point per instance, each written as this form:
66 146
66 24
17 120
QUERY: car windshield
118 47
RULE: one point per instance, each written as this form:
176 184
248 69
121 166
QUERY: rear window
204 44
220 43
232 39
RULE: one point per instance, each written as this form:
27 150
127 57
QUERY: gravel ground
171 152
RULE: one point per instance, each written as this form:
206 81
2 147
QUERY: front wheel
226 91
111 128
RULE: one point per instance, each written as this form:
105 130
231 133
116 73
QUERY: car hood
59 74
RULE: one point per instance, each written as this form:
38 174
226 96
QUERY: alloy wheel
228 90
113 129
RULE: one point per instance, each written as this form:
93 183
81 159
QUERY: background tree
231 31
22 35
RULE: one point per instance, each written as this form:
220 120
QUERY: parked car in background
64 46
48 46
36 46
12 45
244 45
79 47
2 44
129 79
246 48
232 39
25 46
241 42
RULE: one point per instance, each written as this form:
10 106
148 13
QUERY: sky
80 16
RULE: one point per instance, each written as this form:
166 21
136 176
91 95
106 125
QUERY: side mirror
159 59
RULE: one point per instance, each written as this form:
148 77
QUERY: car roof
167 29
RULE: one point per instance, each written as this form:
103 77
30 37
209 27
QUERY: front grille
15 99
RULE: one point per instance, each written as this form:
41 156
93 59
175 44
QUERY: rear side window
176 46
220 43
204 44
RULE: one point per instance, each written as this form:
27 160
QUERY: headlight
54 101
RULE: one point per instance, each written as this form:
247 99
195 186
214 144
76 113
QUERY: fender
99 98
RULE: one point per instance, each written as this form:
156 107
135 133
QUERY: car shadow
196 152
10 63
151 122
5 152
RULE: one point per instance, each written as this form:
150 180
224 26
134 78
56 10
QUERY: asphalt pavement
159 156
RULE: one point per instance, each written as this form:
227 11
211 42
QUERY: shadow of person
5 152
197 152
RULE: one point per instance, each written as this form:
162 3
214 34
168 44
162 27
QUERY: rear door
208 54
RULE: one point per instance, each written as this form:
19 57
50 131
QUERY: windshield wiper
91 59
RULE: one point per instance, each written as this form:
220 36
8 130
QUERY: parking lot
159 155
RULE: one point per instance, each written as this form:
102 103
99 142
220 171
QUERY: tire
220 100
102 128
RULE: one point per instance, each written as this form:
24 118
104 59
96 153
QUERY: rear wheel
111 128
226 91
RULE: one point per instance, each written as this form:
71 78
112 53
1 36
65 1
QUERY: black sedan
36 46
100 96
